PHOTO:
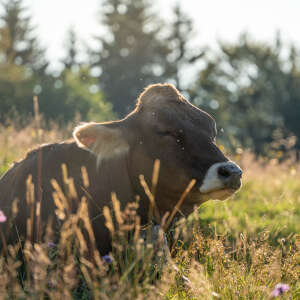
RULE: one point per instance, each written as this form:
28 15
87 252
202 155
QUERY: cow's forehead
190 117
163 103
178 115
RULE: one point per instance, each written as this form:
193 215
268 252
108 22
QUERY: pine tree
132 54
254 93
179 40
71 59
18 45
22 74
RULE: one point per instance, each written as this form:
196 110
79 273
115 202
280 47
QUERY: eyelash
166 133
175 136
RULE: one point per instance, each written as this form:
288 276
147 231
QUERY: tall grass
236 249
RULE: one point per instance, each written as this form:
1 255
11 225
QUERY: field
237 249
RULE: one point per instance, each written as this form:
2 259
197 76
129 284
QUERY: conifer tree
182 54
71 59
131 54
254 93
18 44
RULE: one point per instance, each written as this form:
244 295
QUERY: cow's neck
113 176
116 175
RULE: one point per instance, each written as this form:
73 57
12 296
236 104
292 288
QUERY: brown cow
164 126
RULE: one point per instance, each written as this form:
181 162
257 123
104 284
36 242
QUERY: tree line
251 88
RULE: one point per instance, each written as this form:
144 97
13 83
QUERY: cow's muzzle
230 174
225 175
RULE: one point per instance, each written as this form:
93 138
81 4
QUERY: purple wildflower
51 245
2 217
279 289
107 259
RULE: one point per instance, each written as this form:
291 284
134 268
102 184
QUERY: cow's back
46 163
42 164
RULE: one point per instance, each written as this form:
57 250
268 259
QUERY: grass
236 249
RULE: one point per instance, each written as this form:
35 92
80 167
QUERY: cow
164 126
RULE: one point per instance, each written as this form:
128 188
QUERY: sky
213 19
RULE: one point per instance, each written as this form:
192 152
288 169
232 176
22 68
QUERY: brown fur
163 126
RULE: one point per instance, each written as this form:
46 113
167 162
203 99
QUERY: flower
2 217
107 259
51 245
279 289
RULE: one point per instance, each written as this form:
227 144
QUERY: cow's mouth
219 194
197 198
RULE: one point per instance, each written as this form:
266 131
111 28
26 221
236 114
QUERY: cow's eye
169 133
175 136
165 132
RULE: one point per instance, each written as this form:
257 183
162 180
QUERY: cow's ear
104 140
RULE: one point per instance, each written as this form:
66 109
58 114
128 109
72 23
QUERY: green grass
236 249
256 208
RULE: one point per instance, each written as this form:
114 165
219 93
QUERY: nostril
224 172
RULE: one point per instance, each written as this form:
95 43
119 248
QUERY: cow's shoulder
49 158
57 153
52 149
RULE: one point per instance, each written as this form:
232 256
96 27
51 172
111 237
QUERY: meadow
240 248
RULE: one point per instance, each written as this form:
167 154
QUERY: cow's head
167 127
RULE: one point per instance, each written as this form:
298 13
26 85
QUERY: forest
251 88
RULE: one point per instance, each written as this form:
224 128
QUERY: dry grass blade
30 200
117 209
85 177
153 207
155 176
109 222
60 194
179 203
